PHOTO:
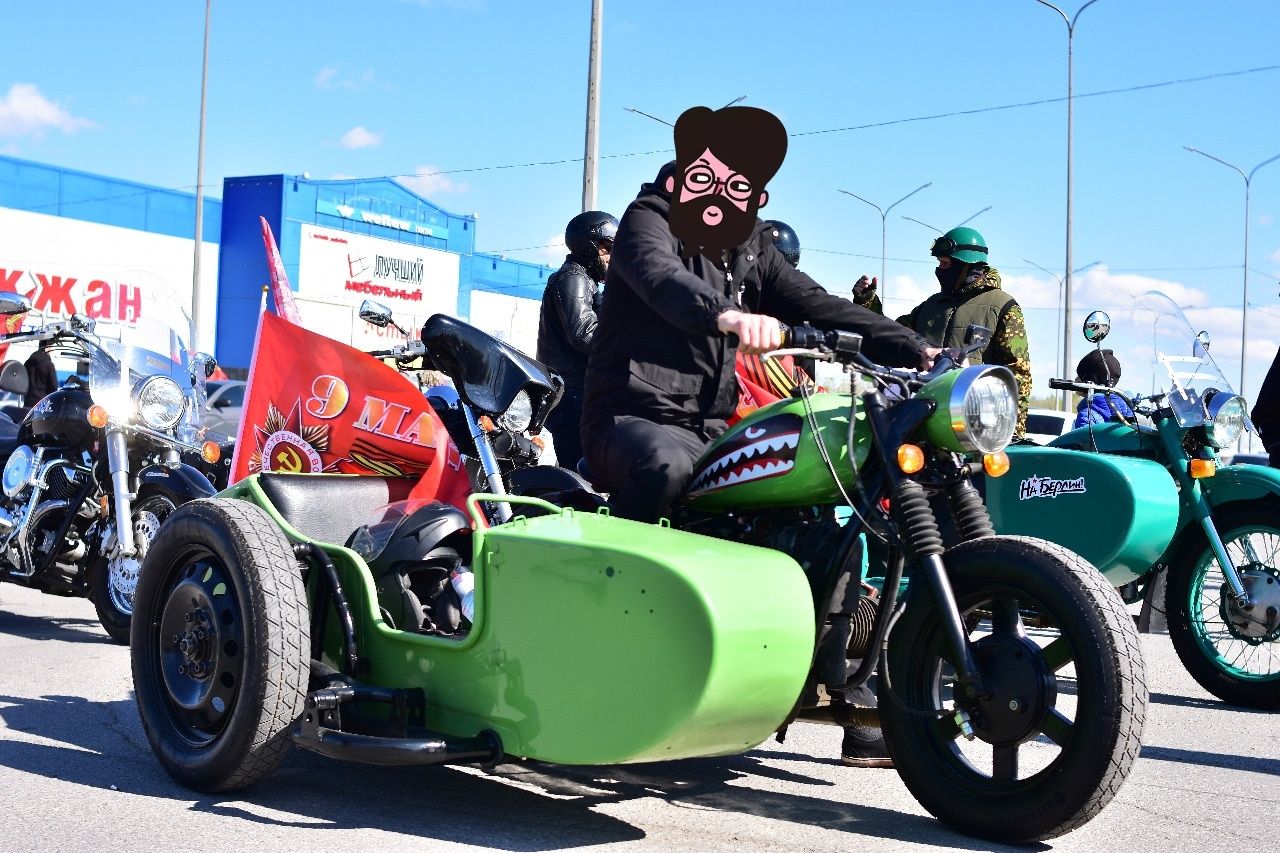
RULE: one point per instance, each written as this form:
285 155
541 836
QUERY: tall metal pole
957 225
1057 346
197 295
1066 319
884 230
593 110
1244 295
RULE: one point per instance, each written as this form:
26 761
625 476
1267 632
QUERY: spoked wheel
220 645
1232 650
116 579
1059 724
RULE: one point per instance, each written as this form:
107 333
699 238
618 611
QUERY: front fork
118 465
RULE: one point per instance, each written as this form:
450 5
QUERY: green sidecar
1145 501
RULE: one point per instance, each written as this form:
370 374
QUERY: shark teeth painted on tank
767 467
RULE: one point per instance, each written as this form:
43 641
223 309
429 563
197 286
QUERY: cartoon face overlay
724 158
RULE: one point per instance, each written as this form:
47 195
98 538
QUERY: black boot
864 746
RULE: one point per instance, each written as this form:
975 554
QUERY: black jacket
658 354
568 322
42 378
1266 411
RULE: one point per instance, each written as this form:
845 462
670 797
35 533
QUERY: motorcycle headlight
518 415
19 470
977 409
160 402
1227 414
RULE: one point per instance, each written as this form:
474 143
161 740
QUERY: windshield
1181 366
154 339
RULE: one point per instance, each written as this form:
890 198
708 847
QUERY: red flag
762 381
281 293
314 405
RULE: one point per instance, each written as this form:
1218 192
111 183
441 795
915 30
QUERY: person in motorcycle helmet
568 321
1100 367
785 240
969 293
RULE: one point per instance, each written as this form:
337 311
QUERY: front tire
1044 760
115 580
221 644
1231 652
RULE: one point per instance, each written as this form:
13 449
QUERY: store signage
386 220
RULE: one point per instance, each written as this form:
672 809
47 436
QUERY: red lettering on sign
9 279
99 302
55 292
130 303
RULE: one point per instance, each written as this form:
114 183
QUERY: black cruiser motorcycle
96 467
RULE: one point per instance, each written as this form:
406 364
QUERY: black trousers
565 429
643 465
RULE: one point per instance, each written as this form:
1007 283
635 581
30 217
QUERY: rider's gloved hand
864 290
756 333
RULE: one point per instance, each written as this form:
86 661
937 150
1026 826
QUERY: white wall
508 318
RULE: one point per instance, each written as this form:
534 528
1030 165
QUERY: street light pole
1057 340
1244 296
957 225
592 154
884 231
197 297
1071 31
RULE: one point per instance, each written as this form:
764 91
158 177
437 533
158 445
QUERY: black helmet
785 241
585 231
1099 367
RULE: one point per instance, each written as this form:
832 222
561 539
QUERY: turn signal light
910 458
486 423
996 464
210 452
538 442
1200 468
97 417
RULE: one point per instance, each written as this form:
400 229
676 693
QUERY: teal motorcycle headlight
984 409
1225 421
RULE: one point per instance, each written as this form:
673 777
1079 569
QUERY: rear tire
1052 767
1236 665
221 642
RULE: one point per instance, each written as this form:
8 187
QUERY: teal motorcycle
1145 501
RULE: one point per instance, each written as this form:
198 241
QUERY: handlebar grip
1062 385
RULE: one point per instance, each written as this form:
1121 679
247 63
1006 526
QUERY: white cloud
341 176
360 137
427 181
333 77
26 112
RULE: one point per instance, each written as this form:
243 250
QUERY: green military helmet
964 244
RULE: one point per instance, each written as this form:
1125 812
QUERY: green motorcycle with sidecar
320 610
1144 498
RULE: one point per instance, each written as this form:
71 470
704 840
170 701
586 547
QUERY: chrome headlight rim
152 386
1234 413
960 426
519 415
19 470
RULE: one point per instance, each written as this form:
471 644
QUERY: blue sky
390 87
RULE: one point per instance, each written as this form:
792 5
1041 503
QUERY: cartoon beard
687 224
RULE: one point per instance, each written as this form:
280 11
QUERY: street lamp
1057 341
957 225
884 230
592 143
1066 320
1244 296
197 300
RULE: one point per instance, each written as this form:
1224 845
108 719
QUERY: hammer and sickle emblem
288 460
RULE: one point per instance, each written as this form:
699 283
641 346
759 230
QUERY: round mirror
1097 326
1202 342
14 303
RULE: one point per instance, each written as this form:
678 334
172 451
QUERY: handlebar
1090 388
403 352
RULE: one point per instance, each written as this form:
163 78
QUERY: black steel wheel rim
201 649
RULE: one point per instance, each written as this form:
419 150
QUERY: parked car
224 406
1044 425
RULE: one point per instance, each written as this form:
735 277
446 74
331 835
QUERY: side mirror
1201 347
976 338
83 323
1097 326
375 313
210 363
13 303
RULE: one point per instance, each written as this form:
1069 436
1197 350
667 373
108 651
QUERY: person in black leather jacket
568 322
42 377
660 382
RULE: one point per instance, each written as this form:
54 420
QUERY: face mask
950 277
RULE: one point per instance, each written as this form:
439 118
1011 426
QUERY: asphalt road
76 773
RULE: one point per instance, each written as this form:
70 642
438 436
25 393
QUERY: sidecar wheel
220 646
1232 653
1061 725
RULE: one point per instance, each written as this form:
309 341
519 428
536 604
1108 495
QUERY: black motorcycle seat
329 507
8 437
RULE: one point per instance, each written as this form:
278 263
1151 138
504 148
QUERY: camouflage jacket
952 312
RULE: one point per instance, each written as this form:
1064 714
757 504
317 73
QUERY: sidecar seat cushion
328 507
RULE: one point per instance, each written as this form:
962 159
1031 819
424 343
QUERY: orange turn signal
210 452
910 458
996 464
97 417
486 423
1200 468
539 442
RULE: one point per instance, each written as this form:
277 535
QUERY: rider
969 294
568 321
1101 367
773 376
42 377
